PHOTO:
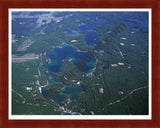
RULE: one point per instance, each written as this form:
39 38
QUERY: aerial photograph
79 62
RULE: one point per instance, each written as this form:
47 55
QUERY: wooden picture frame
4 63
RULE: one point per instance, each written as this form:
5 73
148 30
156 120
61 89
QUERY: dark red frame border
6 4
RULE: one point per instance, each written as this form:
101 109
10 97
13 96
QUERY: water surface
57 55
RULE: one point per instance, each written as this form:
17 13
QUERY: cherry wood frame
6 4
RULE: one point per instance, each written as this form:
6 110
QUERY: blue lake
67 52
91 36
